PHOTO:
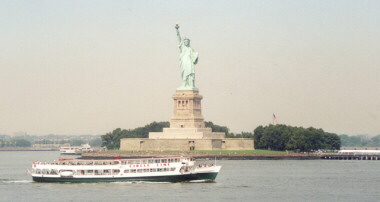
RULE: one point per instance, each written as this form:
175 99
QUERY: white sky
88 67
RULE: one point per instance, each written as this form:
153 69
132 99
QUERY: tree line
15 143
111 140
273 137
360 141
283 137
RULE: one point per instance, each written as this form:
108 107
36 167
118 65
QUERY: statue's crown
186 39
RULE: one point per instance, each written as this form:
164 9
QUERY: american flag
275 119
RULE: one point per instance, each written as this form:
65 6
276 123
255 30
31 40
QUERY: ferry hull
169 178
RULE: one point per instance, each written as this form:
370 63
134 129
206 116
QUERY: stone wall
239 144
144 144
186 133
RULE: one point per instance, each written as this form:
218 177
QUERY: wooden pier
370 157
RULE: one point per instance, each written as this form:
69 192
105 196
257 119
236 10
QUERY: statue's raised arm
179 36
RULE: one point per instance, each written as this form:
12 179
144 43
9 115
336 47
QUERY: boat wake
200 181
16 181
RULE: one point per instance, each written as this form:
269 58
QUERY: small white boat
75 150
169 169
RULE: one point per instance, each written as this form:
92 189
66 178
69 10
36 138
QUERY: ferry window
191 159
157 161
54 172
38 171
116 171
166 169
144 161
153 170
45 171
176 160
150 161
164 160
126 171
139 170
133 171
171 160
172 169
107 172
135 162
90 171
159 169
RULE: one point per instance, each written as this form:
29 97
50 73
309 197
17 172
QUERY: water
265 180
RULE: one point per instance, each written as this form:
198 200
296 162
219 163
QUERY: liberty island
187 129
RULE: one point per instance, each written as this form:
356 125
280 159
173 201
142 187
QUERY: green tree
257 135
96 142
217 128
375 141
112 140
332 141
77 142
283 137
22 143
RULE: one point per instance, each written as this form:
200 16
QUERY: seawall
111 155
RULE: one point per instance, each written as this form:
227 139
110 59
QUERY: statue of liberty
188 58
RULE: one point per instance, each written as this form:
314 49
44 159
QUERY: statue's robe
188 58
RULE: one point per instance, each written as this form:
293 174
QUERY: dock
370 157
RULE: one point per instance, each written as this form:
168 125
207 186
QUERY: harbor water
250 180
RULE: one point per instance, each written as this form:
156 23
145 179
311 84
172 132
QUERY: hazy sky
88 67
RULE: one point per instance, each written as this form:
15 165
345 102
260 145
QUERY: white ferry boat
170 169
72 150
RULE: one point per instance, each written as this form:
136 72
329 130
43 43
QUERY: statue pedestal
187 131
187 121
187 110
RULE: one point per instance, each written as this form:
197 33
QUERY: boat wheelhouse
170 169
